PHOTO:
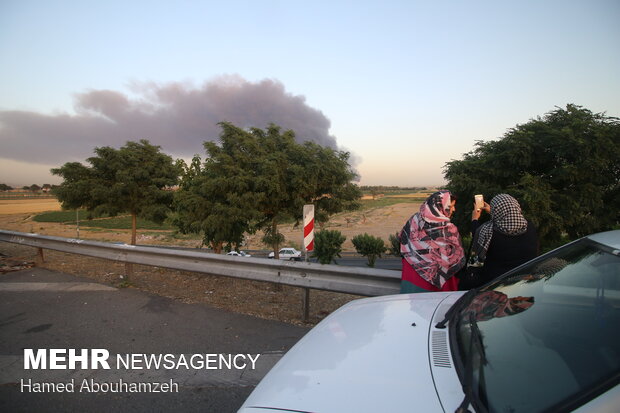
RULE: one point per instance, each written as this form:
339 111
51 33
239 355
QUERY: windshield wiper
456 308
475 340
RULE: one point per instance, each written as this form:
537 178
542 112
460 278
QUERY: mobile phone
478 201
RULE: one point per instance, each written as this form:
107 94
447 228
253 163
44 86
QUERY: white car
288 254
543 337
238 254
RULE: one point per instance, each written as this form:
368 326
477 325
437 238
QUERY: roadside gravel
260 299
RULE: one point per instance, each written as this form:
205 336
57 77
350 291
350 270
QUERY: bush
328 245
394 248
369 246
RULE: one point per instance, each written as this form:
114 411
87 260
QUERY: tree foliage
254 179
328 245
369 246
564 169
203 205
134 179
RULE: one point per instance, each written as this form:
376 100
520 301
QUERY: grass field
49 211
124 221
119 222
380 218
391 200
25 195
60 216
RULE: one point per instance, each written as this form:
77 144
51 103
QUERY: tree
254 179
5 187
564 169
369 246
134 179
328 245
34 188
215 204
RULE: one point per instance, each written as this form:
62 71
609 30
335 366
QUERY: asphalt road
387 262
42 309
390 263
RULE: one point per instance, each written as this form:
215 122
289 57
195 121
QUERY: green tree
564 168
255 179
5 187
369 246
328 245
134 179
206 204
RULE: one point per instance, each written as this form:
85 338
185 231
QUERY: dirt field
380 222
28 206
254 298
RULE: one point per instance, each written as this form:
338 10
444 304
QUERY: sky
404 86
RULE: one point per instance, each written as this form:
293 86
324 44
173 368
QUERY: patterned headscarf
506 217
430 243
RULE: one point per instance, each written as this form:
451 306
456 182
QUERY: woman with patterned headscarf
506 241
431 247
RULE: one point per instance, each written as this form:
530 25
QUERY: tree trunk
276 249
134 227
371 260
217 247
276 245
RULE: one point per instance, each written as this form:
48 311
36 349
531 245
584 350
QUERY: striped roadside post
308 229
308 246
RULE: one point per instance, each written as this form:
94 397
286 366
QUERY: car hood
371 355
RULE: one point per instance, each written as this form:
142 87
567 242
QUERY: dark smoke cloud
176 116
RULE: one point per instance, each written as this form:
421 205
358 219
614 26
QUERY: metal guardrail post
305 304
40 256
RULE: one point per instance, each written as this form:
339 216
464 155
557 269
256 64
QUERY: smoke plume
178 117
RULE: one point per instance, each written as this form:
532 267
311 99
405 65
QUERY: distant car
543 337
287 253
238 254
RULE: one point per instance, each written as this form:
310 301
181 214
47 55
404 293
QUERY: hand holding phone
478 202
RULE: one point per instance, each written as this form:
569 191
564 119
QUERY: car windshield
545 336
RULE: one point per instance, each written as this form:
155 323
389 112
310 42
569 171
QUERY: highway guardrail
364 281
